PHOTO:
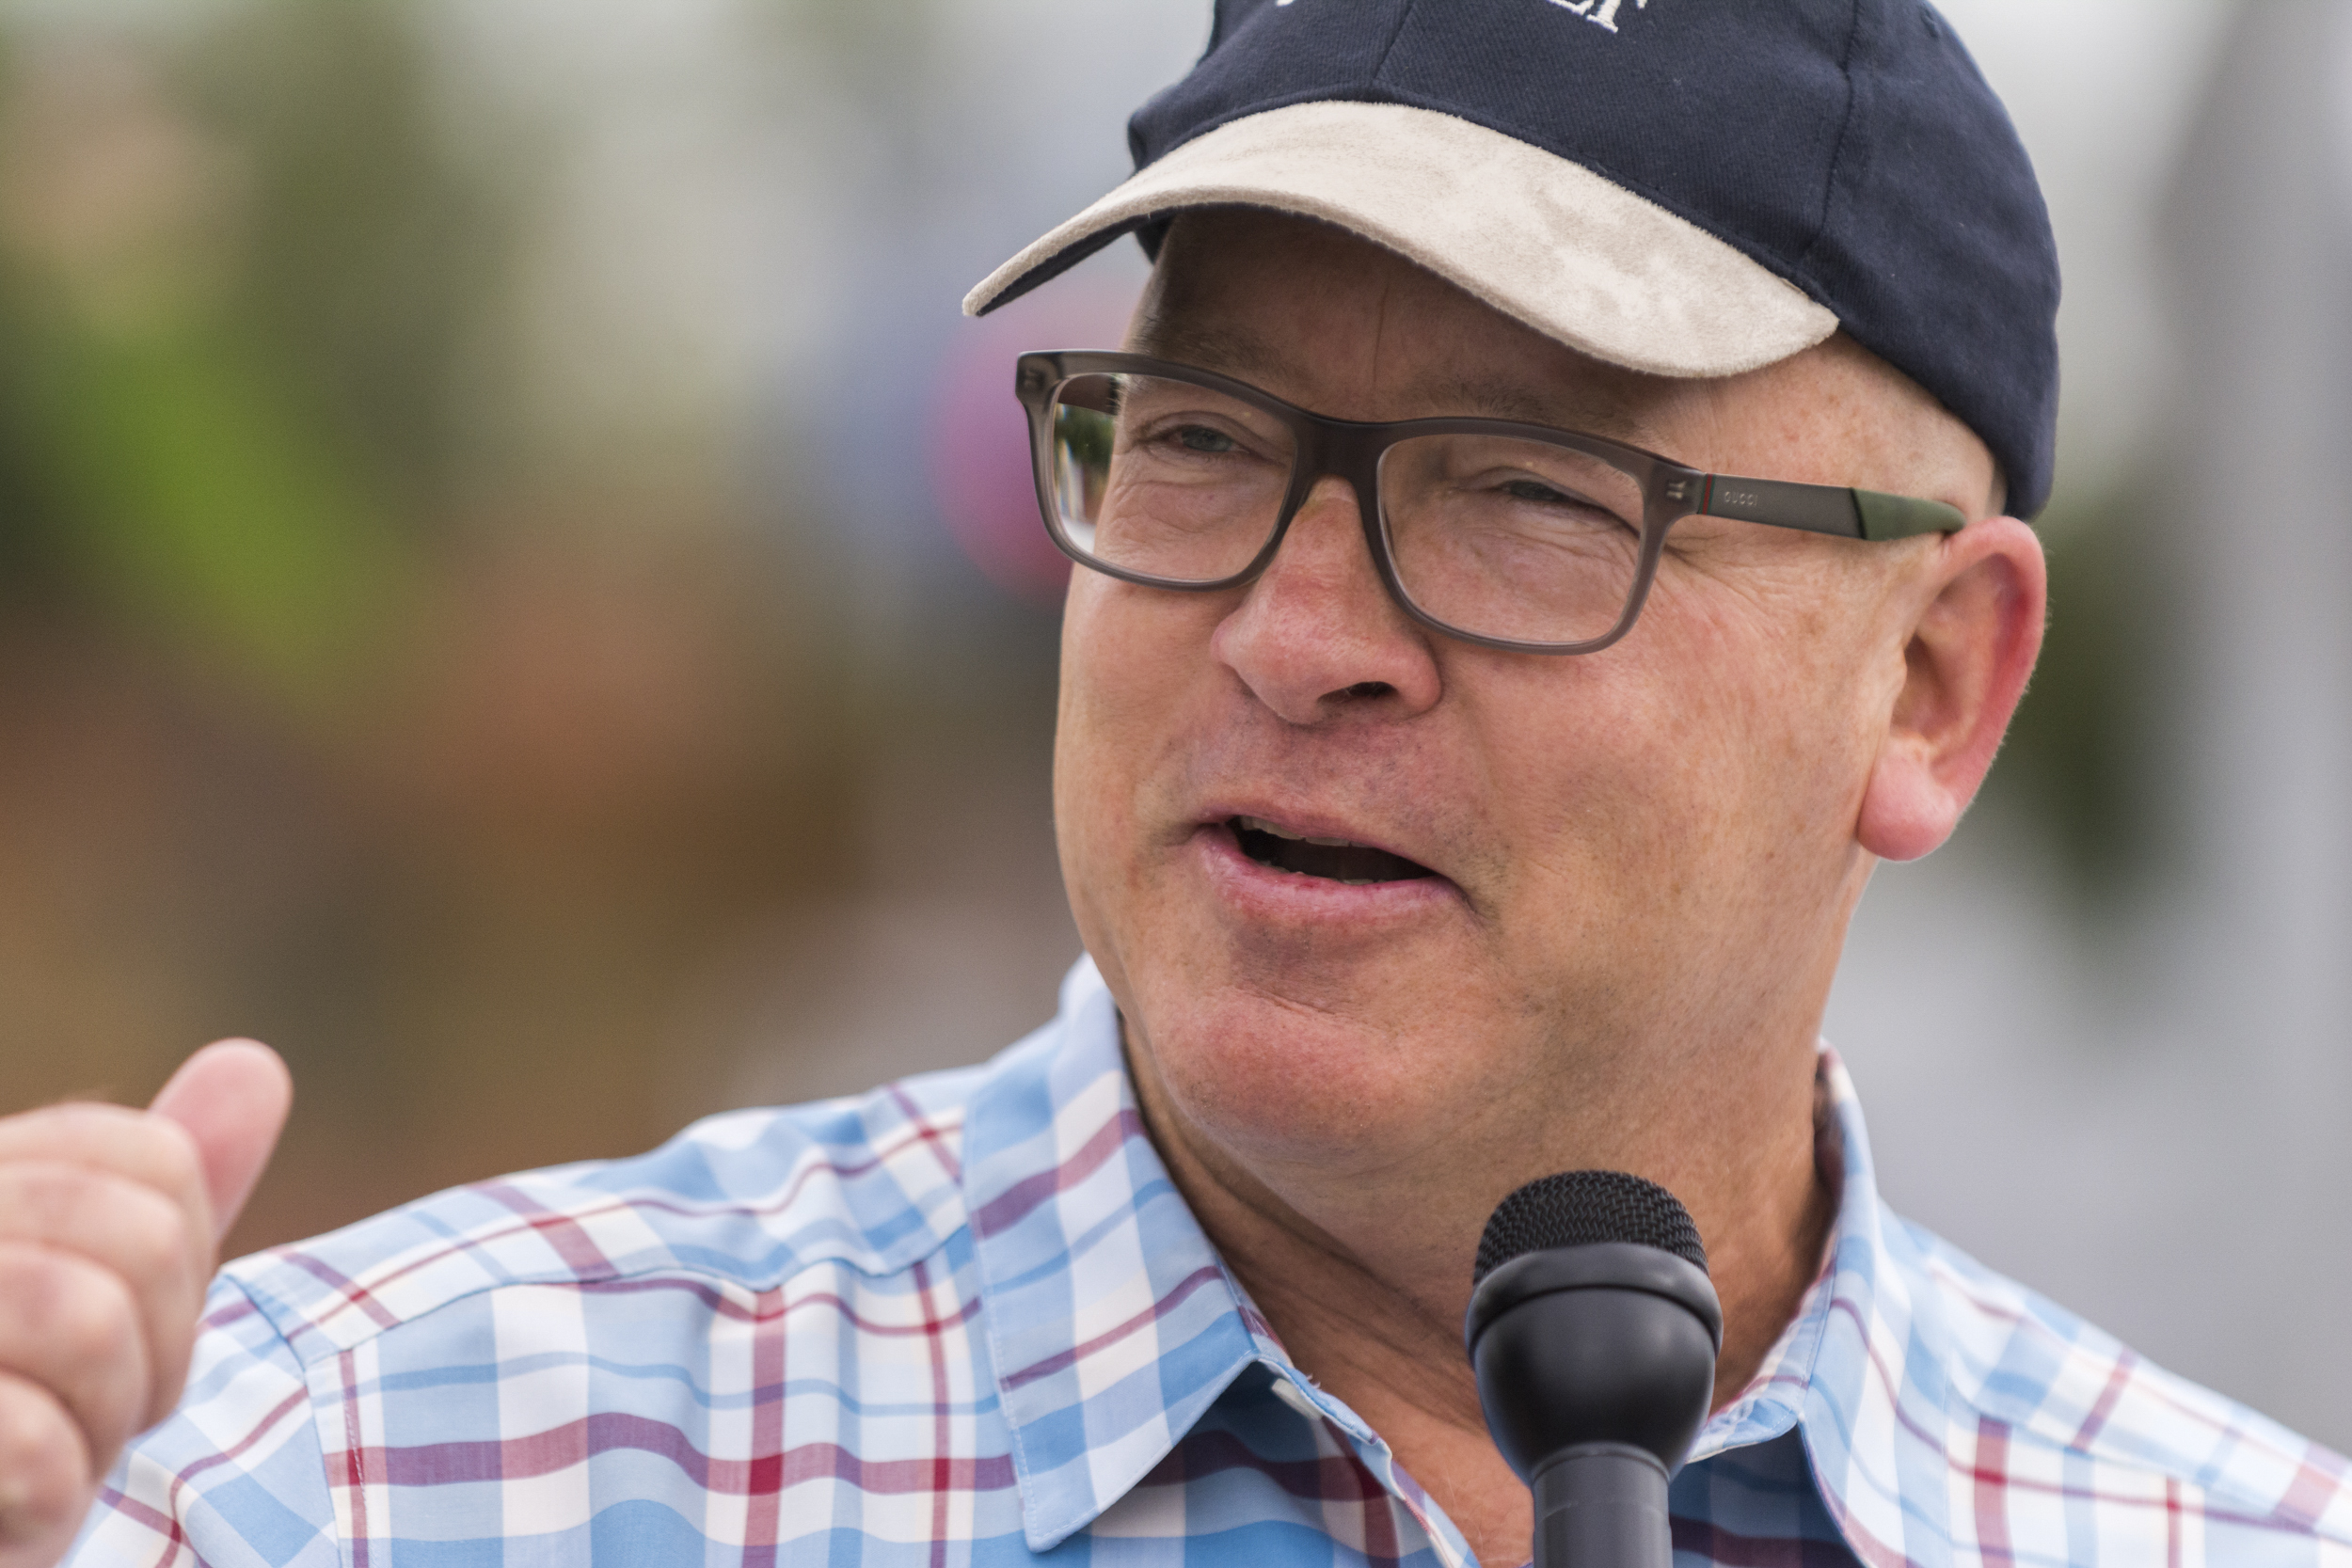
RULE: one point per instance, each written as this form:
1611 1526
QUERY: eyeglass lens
1495 535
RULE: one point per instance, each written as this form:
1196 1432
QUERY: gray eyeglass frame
1351 449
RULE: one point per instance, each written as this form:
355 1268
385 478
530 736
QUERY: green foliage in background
373 247
2081 754
201 500
240 280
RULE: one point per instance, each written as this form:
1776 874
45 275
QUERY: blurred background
517 586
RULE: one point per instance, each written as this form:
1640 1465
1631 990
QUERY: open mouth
1333 859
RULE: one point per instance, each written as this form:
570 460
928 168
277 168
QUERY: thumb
231 1097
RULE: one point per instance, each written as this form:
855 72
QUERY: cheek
1130 657
1671 790
1765 669
1758 758
1597 787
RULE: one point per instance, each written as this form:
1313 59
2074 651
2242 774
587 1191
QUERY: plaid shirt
968 1319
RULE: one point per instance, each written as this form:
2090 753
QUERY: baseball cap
1685 187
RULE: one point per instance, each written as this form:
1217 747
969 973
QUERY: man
1544 545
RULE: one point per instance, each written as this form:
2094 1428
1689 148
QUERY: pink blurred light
979 436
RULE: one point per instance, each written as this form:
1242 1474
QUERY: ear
1973 642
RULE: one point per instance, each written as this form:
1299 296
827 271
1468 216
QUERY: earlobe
1971 644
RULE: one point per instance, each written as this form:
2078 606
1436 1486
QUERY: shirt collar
1784 1390
1871 1351
1113 1325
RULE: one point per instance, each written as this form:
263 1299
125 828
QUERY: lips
1336 859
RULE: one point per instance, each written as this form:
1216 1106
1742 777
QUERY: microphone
1594 1329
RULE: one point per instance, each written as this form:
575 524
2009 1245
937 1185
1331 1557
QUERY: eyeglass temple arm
1824 507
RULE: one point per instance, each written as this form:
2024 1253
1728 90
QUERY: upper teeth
1260 825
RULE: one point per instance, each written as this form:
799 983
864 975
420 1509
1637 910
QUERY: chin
1276 1077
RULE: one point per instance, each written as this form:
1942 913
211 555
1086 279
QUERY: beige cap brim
1540 238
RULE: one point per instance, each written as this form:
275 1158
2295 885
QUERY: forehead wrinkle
1379 329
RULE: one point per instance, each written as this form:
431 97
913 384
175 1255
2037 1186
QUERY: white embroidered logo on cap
1599 13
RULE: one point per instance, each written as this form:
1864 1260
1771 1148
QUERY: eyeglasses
1510 535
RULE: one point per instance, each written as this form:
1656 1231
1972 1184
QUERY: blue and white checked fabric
966 1320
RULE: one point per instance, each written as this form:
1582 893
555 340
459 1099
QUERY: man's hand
108 1222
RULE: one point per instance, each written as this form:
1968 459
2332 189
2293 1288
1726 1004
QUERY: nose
1316 637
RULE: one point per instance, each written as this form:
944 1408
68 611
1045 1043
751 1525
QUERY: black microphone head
1578 1207
1592 1321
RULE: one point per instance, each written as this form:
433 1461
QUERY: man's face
1637 859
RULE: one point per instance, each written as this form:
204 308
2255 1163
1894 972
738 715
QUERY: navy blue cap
1848 148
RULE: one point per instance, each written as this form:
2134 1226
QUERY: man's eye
1537 504
1200 437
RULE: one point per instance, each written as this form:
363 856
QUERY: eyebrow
1238 351
1231 350
1498 398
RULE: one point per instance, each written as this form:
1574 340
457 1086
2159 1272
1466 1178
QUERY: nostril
1368 689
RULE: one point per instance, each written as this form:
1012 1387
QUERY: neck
1367 1287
